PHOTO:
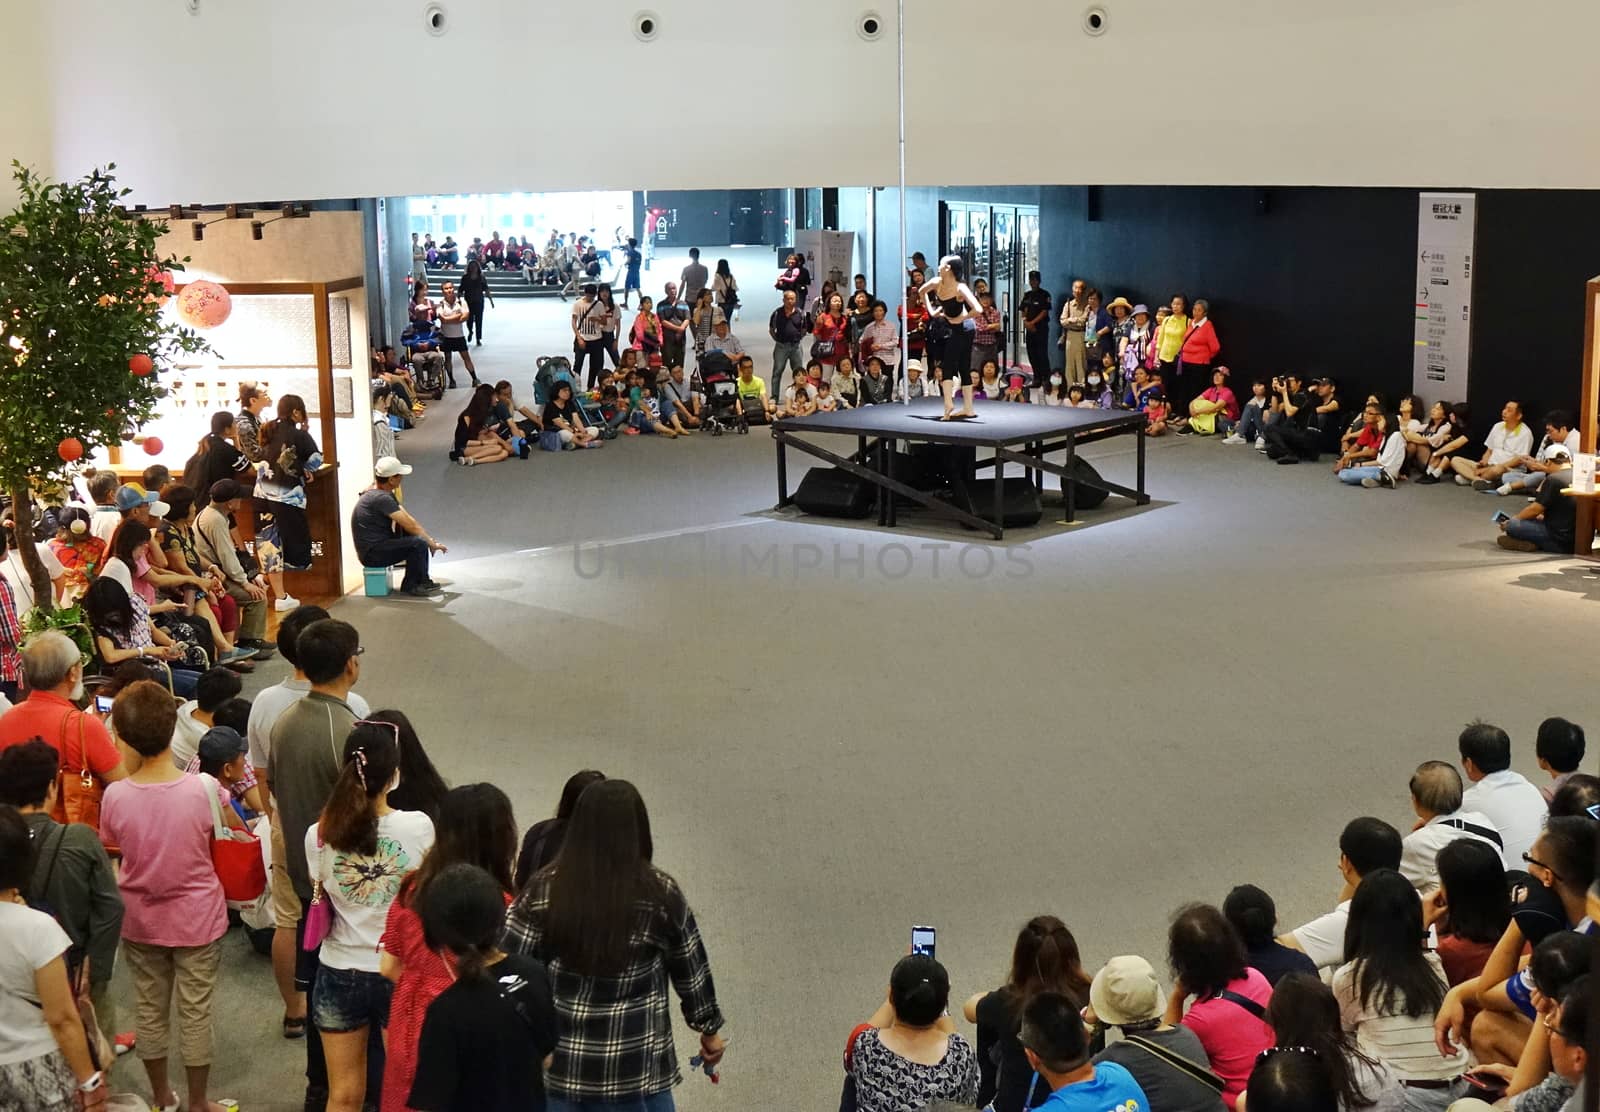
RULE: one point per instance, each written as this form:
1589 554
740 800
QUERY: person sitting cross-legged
1057 1046
1548 524
1503 449
680 405
384 533
1554 455
1364 845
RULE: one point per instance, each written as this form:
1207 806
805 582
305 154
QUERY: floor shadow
1579 579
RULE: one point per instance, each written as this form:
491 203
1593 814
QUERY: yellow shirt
1170 341
755 388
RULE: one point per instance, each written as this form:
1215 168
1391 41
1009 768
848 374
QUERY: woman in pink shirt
1216 410
830 335
174 915
1230 999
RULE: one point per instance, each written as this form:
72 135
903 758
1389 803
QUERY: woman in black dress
474 289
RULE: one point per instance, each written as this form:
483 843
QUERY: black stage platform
1021 434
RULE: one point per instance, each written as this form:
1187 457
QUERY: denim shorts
349 999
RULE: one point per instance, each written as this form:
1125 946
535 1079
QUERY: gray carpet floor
841 731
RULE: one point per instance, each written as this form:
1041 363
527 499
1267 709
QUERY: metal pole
900 71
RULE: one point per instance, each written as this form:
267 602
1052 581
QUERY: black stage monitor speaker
1088 497
1020 505
834 492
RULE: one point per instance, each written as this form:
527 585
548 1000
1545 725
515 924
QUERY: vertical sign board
1446 229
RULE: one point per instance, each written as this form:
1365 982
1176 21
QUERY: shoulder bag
235 854
319 915
80 795
1178 1062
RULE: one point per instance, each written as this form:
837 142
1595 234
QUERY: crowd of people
430 958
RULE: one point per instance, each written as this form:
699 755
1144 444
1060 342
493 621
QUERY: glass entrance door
1000 244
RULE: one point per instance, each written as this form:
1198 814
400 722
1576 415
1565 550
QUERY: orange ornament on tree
141 364
153 445
156 274
70 449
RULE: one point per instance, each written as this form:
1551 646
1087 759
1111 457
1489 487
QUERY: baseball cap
226 490
131 496
1557 451
221 744
1125 991
388 467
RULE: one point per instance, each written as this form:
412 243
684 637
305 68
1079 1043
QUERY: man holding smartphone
1549 524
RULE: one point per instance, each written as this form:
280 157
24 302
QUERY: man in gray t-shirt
384 534
694 277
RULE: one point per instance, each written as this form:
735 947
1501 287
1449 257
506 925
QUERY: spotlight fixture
198 227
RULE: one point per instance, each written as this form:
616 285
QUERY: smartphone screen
1499 516
922 939
102 703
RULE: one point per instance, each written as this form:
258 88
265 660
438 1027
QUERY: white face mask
1094 380
1055 380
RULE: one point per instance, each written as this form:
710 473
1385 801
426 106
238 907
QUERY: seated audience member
1156 412
1058 1050
1230 998
476 441
752 392
1445 440
1434 431
1044 959
1470 909
52 666
1365 844
1289 1080
1311 426
1359 460
916 385
1390 988
213 543
487 1034
123 632
827 401
1548 524
846 384
174 916
47 1065
910 1054
877 388
680 405
1139 388
224 755
799 399
724 341
1017 390
1304 1015
1503 449
211 690
1559 747
564 427
513 420
1255 917
1167 1062
1513 805
1560 1036
72 875
1551 903
1215 410
1252 424
1560 443
1436 798
645 416
1574 798
384 533
543 840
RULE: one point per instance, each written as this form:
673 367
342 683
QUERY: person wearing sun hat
1125 994
1057 1046
384 533
1133 351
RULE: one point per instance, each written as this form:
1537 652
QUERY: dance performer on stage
958 307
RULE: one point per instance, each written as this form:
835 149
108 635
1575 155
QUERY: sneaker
419 591
263 650
1502 490
1514 545
466 461
1463 481
1261 444
1483 485
285 604
1233 438
124 1042
1370 483
1381 480
238 652
1288 460
1427 479
1184 430
432 586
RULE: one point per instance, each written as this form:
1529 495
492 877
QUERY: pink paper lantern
204 304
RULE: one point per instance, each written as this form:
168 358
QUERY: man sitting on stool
385 534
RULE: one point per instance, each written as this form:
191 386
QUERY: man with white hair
52 665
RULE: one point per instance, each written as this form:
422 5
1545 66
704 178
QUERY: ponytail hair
463 911
371 757
1046 959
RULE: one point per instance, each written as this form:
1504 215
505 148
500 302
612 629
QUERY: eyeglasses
1534 861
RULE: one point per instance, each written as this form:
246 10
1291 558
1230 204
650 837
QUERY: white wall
282 100
25 124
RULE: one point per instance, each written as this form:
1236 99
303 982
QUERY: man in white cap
384 533
1167 1061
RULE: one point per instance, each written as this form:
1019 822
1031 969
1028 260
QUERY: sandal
294 1028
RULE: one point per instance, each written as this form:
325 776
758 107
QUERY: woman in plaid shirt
613 929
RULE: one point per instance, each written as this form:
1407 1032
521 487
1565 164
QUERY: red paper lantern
204 304
156 274
70 449
141 364
153 445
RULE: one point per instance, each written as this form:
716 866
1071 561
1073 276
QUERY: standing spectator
1365 845
830 336
475 827
72 875
1436 797
474 290
610 950
289 467
694 278
453 317
1074 324
46 1066
1230 999
1034 309
909 1054
1391 986
1255 917
645 336
421 787
787 326
674 320
384 533
1305 1016
794 278
1167 1061
703 316
1198 353
610 321
213 546
543 840
1058 1050
10 645
1508 441
174 915
588 328
1559 747
630 281
1514 806
1470 909
726 288
1170 336
358 854
915 314
987 336
1097 330
1044 958
881 339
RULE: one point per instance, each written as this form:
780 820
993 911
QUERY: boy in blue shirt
1057 1046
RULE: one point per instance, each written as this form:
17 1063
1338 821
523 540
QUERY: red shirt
1371 437
1200 345
46 715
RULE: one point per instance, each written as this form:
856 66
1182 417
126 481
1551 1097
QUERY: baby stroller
714 378
551 369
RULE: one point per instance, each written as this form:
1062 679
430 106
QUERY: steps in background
502 283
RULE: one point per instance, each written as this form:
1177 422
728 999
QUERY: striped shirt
1401 1042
